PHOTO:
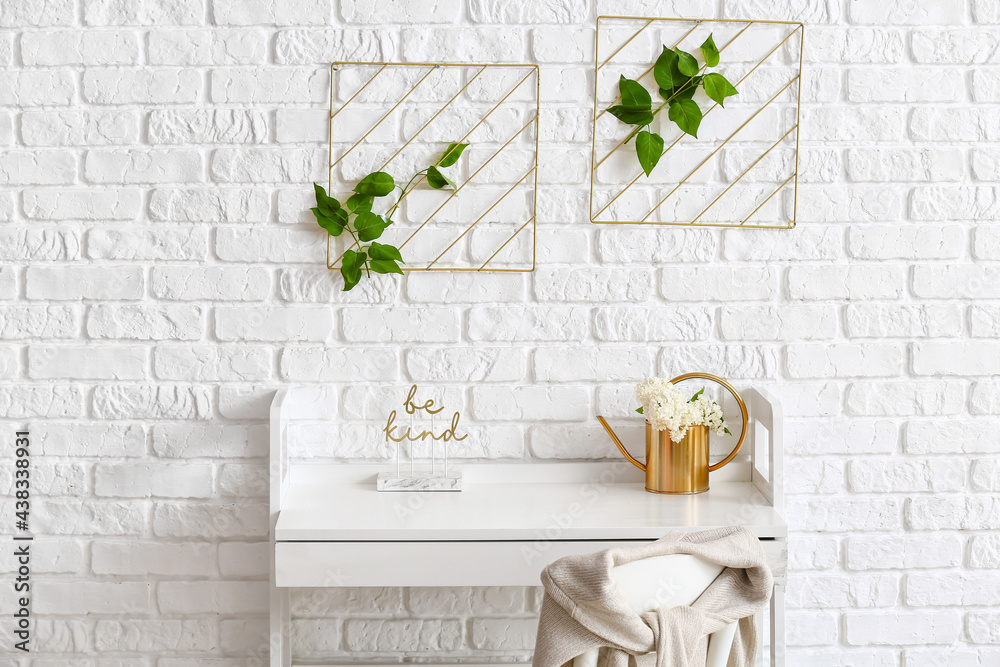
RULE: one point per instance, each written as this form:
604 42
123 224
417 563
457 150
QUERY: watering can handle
614 438
739 400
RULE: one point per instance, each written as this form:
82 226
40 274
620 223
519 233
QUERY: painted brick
897 552
373 325
857 282
883 164
464 45
39 13
143 166
901 12
142 86
878 476
144 245
76 362
261 165
827 592
218 597
209 521
221 284
340 364
215 205
151 402
270 245
903 320
778 324
902 628
143 12
269 86
819 360
140 559
648 324
952 437
64 204
85 597
219 441
273 323
36 88
204 126
953 513
296 12
212 363
70 47
138 322
206 47
79 128
37 168
905 398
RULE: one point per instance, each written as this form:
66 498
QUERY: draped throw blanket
583 608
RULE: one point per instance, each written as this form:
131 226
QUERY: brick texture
160 278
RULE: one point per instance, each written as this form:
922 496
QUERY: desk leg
778 626
281 643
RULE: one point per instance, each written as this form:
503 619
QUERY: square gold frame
533 221
594 164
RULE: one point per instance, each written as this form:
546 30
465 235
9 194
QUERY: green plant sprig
676 74
355 217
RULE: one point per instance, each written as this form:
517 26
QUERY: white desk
330 527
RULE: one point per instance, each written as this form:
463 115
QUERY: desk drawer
509 563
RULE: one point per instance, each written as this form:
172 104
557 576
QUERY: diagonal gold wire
360 90
676 44
468 180
768 198
745 172
474 127
432 118
467 135
389 113
513 236
710 110
718 148
485 213
627 42
675 93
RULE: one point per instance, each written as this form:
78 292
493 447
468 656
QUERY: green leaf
369 226
377 184
631 116
351 267
385 266
323 200
384 251
333 223
360 203
634 96
451 154
726 431
437 180
686 63
649 148
639 410
696 395
665 70
686 114
710 51
718 88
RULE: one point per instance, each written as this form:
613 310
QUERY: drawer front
508 563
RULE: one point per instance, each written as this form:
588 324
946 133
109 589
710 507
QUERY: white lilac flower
665 407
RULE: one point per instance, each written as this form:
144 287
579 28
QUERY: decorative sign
417 480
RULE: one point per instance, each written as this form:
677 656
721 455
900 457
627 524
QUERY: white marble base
388 481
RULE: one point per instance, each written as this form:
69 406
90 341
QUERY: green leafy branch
676 74
355 217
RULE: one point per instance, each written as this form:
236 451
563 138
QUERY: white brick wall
160 277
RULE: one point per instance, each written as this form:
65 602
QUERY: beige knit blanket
583 608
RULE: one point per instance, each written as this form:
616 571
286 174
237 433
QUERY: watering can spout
618 443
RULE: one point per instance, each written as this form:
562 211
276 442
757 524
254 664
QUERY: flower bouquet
666 407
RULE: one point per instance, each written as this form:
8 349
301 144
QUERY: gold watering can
681 467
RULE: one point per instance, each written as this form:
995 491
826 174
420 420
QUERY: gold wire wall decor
745 154
397 115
